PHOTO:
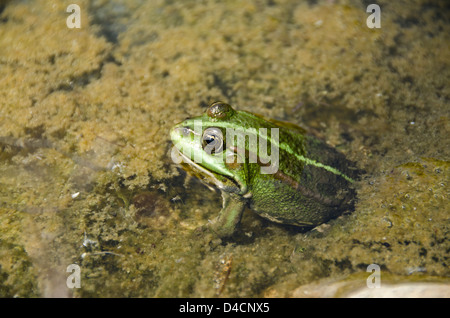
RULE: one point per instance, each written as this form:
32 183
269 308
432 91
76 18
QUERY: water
86 176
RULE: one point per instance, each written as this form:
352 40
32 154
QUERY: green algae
85 170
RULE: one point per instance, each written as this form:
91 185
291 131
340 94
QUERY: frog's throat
213 176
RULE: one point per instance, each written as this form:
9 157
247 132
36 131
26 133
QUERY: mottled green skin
312 183
323 195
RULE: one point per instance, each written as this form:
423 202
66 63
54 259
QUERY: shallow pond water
86 175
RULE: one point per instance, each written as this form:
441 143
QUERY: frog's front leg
230 215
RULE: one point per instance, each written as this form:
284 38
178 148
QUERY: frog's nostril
185 131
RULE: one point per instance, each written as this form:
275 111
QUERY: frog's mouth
208 177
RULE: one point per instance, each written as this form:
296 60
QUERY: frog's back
312 185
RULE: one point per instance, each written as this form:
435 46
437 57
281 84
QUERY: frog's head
201 144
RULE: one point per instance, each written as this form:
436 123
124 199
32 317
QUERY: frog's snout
175 133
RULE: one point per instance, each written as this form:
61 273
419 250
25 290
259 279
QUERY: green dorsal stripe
288 149
317 164
308 161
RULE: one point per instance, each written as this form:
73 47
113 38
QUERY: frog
276 168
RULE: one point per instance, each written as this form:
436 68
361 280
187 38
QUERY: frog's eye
212 140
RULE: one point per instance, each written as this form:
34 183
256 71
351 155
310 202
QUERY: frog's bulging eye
212 140
220 111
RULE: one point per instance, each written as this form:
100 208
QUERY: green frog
276 168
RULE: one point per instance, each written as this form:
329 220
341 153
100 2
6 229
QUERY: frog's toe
221 231
207 234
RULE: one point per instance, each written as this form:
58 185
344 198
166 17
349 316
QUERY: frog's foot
226 224
221 231
229 217
214 233
208 235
